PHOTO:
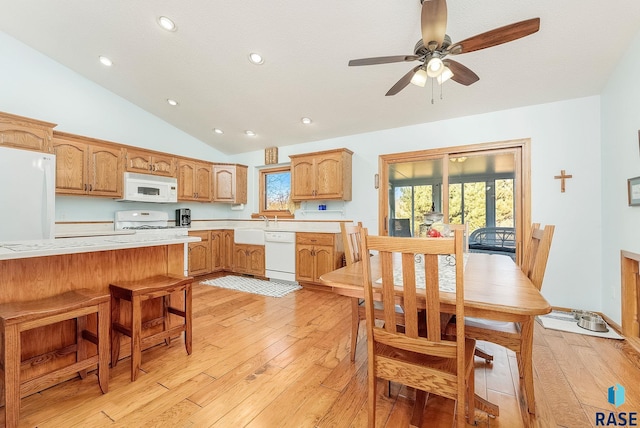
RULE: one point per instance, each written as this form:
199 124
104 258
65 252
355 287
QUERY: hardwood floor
268 362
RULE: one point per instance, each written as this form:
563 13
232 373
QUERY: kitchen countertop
55 247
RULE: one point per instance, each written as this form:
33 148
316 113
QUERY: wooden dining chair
353 253
509 334
416 355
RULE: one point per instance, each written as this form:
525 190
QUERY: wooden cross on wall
562 177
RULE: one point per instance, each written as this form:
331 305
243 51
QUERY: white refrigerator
27 194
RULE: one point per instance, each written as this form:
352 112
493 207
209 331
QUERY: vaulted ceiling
306 46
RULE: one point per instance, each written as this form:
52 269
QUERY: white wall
620 161
564 135
35 86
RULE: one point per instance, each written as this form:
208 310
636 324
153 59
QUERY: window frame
262 192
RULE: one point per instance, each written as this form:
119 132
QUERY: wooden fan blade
461 73
433 21
383 60
497 36
403 82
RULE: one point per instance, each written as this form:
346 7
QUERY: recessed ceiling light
250 133
172 102
166 23
306 120
218 131
256 58
105 61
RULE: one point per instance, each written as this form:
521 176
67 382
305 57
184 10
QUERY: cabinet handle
153 168
85 187
150 167
91 187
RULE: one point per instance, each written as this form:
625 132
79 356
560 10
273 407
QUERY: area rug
564 321
255 286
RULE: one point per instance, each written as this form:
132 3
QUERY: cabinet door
200 254
240 258
304 263
224 183
139 162
163 165
217 250
328 178
71 167
256 260
227 250
302 178
324 261
203 182
186 181
105 174
23 133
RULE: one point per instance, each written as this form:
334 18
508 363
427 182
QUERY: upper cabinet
147 162
85 166
321 175
230 183
194 181
24 133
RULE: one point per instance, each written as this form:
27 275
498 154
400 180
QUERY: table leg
136 337
526 360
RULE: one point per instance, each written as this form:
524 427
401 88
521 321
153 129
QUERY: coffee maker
183 217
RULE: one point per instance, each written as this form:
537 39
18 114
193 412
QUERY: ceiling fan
435 46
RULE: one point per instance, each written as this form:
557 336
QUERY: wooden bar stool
136 292
18 317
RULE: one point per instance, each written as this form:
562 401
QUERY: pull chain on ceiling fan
435 46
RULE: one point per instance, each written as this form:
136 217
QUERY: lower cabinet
248 259
200 253
317 254
213 253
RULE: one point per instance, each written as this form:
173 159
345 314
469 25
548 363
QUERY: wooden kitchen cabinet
226 250
217 250
230 183
317 254
85 166
200 254
321 175
147 162
248 259
194 181
24 133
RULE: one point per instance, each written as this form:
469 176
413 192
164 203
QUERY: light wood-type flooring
268 362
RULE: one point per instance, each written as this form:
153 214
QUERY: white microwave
149 188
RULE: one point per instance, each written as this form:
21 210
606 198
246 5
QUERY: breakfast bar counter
38 269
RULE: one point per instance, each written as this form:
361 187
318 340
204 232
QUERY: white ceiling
307 45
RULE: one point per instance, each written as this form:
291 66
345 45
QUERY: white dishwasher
280 255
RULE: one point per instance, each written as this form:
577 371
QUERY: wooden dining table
495 288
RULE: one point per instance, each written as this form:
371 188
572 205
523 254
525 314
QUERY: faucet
266 220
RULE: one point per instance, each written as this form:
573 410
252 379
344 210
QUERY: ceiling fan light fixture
250 133
419 78
435 67
306 120
445 75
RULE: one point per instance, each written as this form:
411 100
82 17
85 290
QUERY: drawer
204 235
315 238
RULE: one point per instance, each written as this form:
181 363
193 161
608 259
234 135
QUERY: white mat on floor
564 321
255 286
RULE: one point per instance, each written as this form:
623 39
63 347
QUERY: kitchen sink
245 235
